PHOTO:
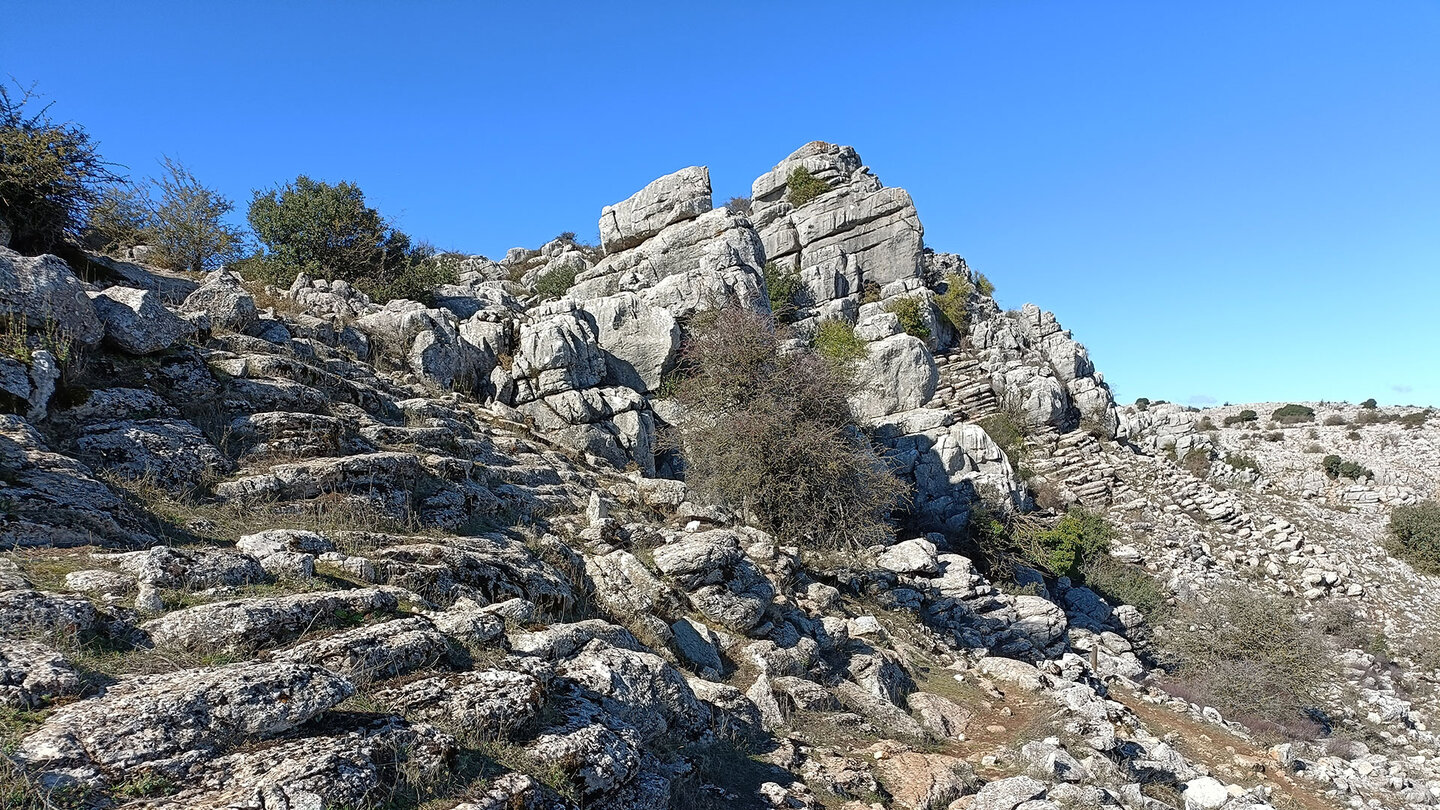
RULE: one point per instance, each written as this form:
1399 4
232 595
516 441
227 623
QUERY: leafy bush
1413 420
51 175
783 286
1008 432
1125 584
120 219
912 320
836 340
1249 657
1241 462
1334 420
1197 462
954 302
418 279
1205 424
801 186
1246 415
1274 436
185 223
555 282
869 292
1290 414
1142 404
1415 535
1336 467
1079 536
327 230
772 435
1370 404
983 285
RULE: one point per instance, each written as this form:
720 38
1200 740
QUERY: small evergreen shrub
983 285
1241 462
1080 536
1142 404
1291 414
1008 432
783 286
835 339
1336 467
1197 462
1124 584
912 319
801 186
1415 535
1334 420
1244 416
1370 404
1413 420
1205 425
953 303
869 292
555 283
739 205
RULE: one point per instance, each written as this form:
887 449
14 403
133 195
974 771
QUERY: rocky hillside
292 548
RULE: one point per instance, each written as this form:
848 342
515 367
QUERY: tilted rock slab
246 624
171 722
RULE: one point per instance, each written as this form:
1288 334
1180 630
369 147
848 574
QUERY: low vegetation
1414 535
1065 549
836 340
801 186
783 287
1244 416
1337 467
1242 462
772 435
1196 461
1247 655
908 309
555 283
1293 414
954 303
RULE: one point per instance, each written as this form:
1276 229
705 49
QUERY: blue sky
1228 201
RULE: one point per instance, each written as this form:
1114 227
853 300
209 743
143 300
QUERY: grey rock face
172 453
897 374
249 624
626 587
43 289
559 353
227 303
193 569
137 322
491 569
170 722
348 769
485 702
665 201
31 675
1008 794
29 612
640 340
378 651
720 581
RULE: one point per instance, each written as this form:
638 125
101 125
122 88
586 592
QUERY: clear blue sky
1224 200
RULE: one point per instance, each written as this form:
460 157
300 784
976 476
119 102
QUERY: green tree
801 186
186 223
51 174
1415 535
328 230
120 219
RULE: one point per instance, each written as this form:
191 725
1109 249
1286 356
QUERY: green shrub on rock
555 283
801 186
1336 467
912 319
783 287
954 302
1415 535
51 174
1080 536
836 340
1246 415
1291 414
